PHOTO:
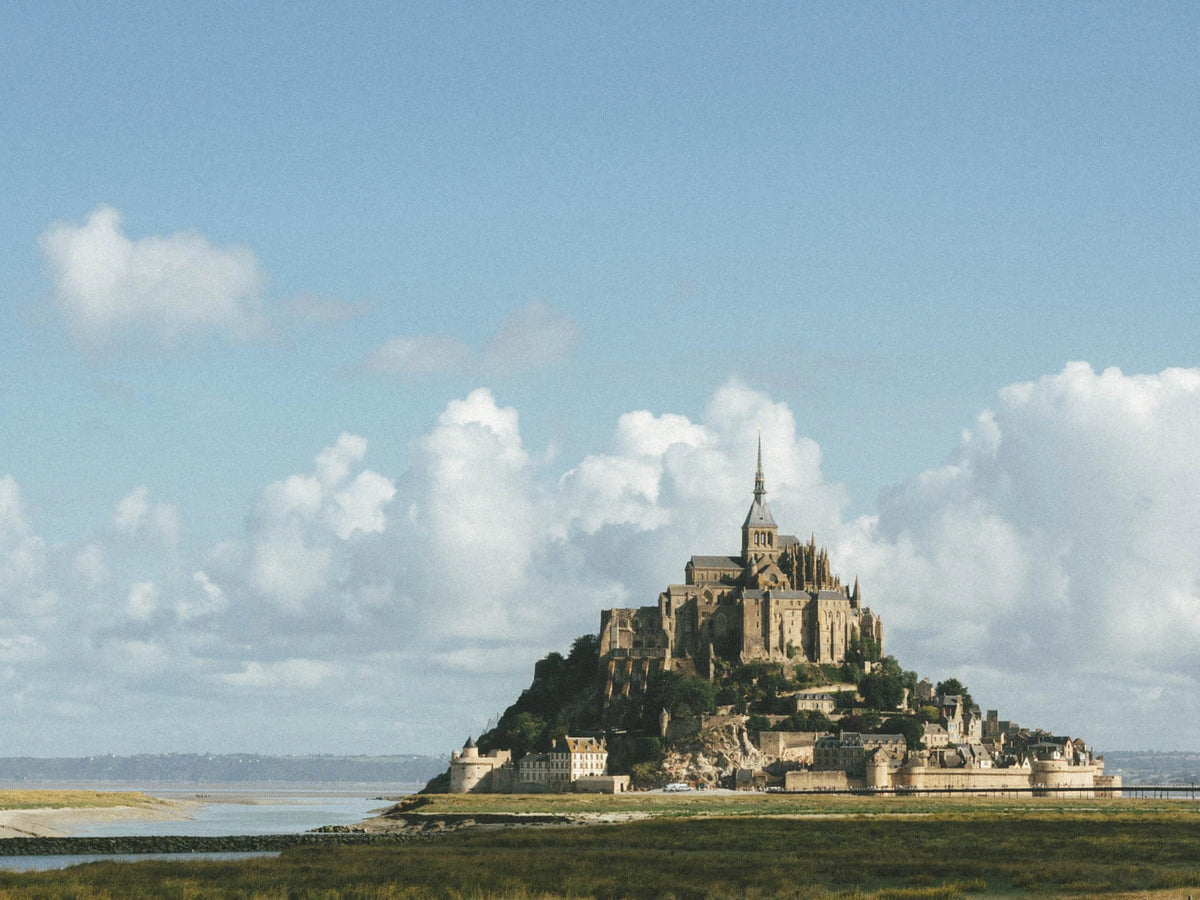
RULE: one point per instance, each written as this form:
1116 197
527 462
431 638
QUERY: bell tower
760 534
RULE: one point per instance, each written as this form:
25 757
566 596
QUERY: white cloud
359 507
296 495
288 673
131 510
289 571
89 563
105 283
22 553
1057 547
135 657
134 515
532 336
334 463
209 601
475 502
418 355
142 600
300 523
1051 563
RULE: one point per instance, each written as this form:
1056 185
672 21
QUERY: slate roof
716 562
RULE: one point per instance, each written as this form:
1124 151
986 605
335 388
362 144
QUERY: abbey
778 601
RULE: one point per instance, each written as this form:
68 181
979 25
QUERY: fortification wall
470 777
821 781
937 778
1058 773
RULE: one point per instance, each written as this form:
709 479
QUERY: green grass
1076 849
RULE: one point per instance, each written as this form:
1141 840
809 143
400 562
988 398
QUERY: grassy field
846 847
22 799
699 803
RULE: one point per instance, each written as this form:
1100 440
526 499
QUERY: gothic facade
778 601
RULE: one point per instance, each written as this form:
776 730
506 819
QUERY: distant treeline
208 768
1153 767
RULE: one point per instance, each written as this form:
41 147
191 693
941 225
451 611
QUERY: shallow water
45 863
224 811
251 812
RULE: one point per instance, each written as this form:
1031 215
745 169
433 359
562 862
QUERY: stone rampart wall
821 781
936 778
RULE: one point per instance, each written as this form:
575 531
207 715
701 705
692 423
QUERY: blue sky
234 235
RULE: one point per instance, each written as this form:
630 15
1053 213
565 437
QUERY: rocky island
762 670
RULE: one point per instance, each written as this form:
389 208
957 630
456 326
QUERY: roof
716 562
584 745
759 515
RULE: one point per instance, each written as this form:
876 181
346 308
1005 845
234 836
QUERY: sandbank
65 821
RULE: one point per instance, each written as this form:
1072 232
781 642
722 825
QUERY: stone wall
602 784
937 778
821 781
795 746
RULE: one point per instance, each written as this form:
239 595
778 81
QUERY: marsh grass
959 851
757 804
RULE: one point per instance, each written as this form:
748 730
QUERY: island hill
761 670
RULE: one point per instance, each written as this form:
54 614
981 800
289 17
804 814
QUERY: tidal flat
762 846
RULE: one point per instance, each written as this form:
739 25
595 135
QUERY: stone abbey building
777 601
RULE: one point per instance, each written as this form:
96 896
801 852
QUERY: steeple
759 483
760 534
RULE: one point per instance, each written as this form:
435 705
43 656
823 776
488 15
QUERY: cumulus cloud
1055 552
106 284
301 521
1050 562
530 337
134 515
22 553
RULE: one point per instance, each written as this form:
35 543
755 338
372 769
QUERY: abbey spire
760 534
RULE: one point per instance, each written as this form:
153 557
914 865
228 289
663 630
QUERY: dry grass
32 799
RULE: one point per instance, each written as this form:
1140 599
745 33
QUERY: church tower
760 534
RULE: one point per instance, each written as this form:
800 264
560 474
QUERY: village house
573 764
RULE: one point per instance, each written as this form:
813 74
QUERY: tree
929 714
681 695
881 691
758 723
952 686
859 722
805 720
523 733
909 726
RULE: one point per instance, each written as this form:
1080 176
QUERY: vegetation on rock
565 697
